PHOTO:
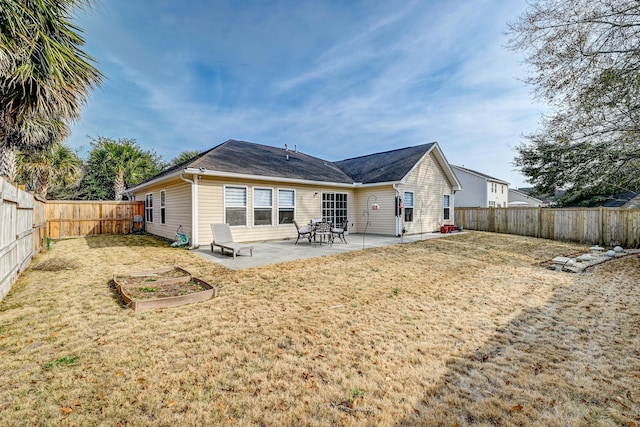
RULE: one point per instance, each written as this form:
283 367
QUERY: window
262 206
408 206
148 207
163 207
235 205
447 207
502 188
334 207
286 206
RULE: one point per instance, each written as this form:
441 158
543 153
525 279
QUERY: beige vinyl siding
308 205
429 184
382 221
178 209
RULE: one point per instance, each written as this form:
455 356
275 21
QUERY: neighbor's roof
389 166
628 199
480 174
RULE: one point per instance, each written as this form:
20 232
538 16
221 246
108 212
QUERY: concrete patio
286 250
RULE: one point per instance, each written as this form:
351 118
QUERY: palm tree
183 157
119 164
52 167
44 75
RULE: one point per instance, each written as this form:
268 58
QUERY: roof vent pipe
295 148
287 157
286 147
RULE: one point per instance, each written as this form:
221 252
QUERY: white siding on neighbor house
178 209
518 199
308 205
498 194
429 184
474 193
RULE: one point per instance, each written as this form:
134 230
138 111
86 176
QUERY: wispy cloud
340 82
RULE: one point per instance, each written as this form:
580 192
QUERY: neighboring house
519 198
628 199
480 190
259 190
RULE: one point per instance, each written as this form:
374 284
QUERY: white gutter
219 174
195 244
399 220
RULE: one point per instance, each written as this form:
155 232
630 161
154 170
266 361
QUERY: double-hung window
148 207
262 206
163 207
286 206
447 207
235 205
408 206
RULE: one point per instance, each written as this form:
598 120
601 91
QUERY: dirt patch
56 264
150 290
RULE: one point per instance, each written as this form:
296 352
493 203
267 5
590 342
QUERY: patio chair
339 231
306 232
222 238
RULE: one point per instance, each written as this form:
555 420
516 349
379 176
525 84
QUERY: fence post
601 226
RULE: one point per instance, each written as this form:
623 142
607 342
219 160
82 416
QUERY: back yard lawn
462 330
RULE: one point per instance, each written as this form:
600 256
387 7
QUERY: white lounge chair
222 238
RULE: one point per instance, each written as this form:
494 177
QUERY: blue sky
338 79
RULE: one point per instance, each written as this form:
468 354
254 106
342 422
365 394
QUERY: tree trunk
118 185
8 166
44 183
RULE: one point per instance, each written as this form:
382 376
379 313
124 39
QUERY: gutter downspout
194 210
399 219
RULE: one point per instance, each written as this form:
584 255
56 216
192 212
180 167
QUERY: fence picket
602 226
27 221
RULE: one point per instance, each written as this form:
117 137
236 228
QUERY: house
519 199
626 200
480 190
259 190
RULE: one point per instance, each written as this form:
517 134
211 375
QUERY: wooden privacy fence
67 219
22 232
602 226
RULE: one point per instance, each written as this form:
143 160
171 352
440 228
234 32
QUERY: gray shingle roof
248 158
483 175
388 166
255 159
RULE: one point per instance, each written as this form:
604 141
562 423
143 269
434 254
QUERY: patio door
334 207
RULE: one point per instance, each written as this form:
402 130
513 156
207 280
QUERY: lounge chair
222 238
339 231
306 232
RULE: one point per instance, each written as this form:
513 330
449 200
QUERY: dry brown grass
463 330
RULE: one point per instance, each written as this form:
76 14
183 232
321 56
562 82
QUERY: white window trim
163 205
450 207
404 203
254 206
333 192
148 208
277 208
246 207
